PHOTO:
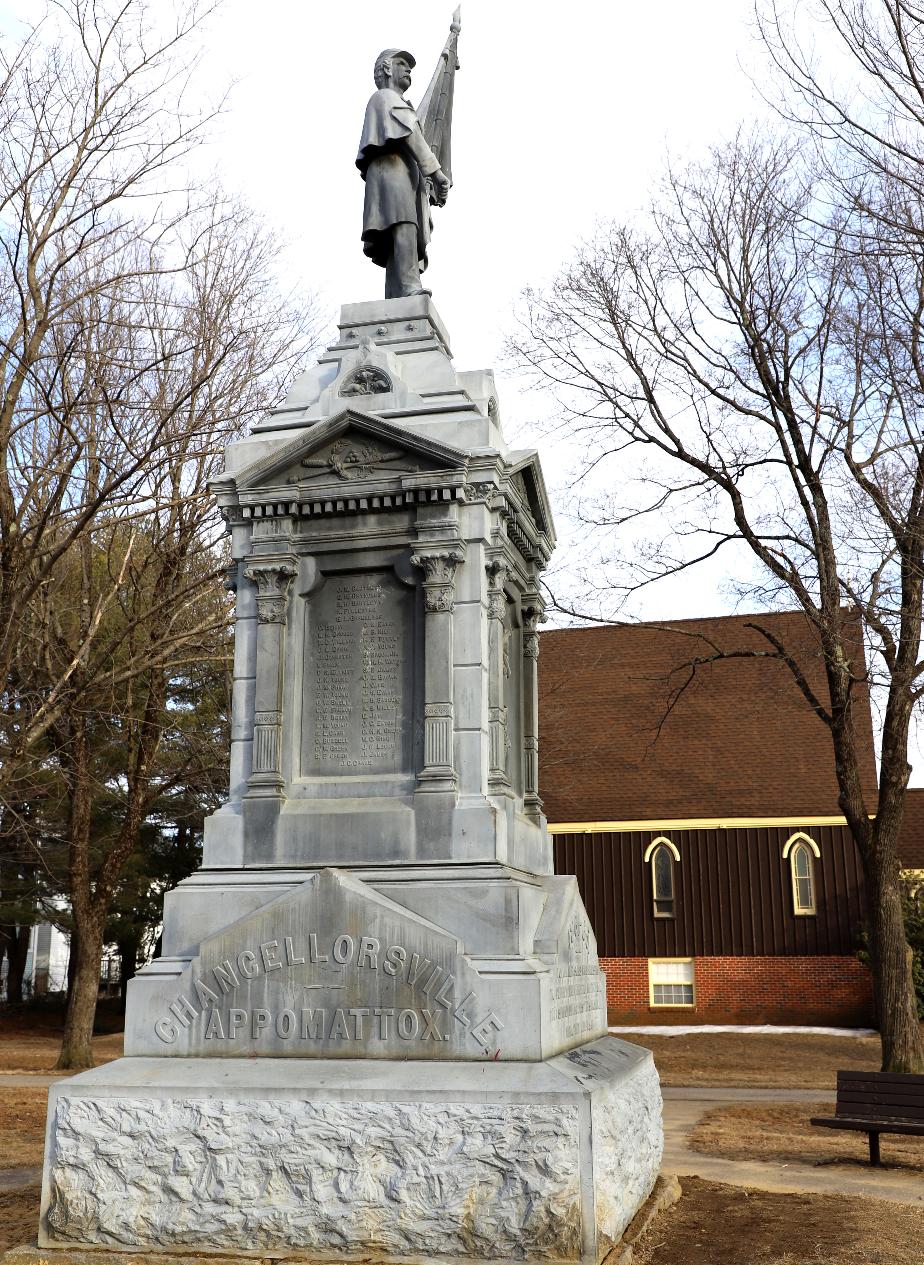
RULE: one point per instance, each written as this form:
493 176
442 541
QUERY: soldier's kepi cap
395 52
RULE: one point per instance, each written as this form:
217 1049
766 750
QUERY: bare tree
748 369
92 120
140 330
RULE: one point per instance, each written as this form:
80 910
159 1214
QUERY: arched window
802 852
662 854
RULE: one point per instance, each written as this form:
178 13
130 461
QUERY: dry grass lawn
728 1225
774 1061
22 1126
781 1131
38 1051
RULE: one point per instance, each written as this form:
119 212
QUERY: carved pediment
349 448
353 456
526 478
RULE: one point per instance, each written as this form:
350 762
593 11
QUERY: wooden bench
877 1102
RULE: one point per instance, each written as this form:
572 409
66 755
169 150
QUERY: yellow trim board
688 823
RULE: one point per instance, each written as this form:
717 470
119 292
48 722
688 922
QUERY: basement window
670 981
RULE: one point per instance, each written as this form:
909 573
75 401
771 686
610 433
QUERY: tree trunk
896 1007
71 961
17 945
128 956
76 1048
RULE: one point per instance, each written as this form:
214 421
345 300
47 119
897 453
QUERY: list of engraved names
359 673
576 998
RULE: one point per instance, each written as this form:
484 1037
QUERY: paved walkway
684 1107
36 1080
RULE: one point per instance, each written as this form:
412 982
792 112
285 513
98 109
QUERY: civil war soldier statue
403 176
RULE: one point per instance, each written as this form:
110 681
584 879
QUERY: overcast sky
564 114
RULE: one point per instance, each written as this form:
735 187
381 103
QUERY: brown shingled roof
741 740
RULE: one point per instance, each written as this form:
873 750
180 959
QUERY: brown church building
703 823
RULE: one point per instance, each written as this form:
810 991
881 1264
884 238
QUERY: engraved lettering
359 1013
285 1024
383 1014
408 1025
260 1020
290 953
416 969
483 1032
313 949
247 964
442 997
236 1019
459 1013
205 994
437 972
213 1026
313 1023
431 1032
184 1010
368 952
343 949
268 952
225 976
360 677
575 994
395 957
166 1031
338 1027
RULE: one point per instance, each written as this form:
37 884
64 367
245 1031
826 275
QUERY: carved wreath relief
353 459
368 380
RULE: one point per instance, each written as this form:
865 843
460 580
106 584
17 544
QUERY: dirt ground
19 1214
749 1059
781 1131
22 1126
728 1225
711 1225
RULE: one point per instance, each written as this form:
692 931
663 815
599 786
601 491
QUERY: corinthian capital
272 576
439 568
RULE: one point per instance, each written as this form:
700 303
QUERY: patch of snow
684 1030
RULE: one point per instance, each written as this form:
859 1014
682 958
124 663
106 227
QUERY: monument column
498 777
272 577
533 612
439 568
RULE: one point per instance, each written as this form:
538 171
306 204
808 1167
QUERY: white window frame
650 856
652 982
795 843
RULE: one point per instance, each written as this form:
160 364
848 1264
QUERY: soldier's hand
441 186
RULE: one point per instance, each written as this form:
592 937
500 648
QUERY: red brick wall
809 990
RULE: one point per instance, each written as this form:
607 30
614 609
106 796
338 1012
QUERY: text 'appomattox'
362 953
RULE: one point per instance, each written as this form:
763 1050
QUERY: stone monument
378 1024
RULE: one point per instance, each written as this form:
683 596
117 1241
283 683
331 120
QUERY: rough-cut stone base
337 1159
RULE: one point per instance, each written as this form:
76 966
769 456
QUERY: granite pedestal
378 1024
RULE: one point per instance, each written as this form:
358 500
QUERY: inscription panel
578 989
331 970
359 677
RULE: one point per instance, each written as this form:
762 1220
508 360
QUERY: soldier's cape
389 120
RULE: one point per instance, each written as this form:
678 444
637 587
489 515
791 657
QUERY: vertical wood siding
733 893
